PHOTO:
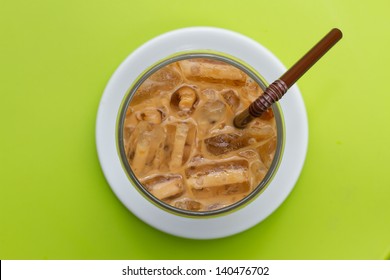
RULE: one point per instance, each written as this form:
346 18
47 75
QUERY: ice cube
227 142
231 98
224 143
131 120
267 151
189 204
222 191
215 206
211 114
251 90
150 114
155 157
209 93
236 188
258 172
163 187
249 154
211 71
262 132
184 100
179 143
144 145
178 146
169 76
217 174
141 153
164 79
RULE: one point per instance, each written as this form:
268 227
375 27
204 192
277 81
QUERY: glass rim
247 69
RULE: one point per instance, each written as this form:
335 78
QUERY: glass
185 109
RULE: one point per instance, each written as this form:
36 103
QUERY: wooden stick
278 88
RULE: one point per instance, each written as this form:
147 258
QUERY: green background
55 60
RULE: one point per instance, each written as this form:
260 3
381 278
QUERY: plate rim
200 228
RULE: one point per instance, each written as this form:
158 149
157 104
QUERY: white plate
245 49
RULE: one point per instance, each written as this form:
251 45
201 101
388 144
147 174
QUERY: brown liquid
180 140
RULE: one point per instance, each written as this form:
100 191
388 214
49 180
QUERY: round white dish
243 48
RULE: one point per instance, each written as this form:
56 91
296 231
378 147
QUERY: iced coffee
180 141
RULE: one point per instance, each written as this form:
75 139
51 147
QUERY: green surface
55 60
